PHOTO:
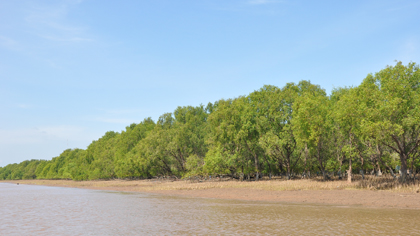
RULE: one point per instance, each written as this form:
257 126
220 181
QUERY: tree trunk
350 169
378 160
256 167
339 175
321 166
242 174
349 172
392 173
362 162
379 172
269 165
403 159
412 168
306 159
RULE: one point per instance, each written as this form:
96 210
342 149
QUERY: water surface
41 210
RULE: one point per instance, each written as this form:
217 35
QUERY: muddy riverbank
296 191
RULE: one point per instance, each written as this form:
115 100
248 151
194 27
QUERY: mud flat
338 193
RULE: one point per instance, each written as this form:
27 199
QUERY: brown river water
41 210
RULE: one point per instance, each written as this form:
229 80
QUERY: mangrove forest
295 130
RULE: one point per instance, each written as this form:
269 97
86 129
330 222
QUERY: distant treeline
294 129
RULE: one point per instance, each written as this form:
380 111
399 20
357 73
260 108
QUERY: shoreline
296 191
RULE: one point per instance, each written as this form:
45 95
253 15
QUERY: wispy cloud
409 50
401 7
23 106
42 26
42 142
51 22
67 39
117 116
41 134
260 7
262 2
122 111
8 43
117 120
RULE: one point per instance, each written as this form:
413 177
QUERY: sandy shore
295 191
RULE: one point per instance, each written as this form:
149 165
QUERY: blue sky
71 70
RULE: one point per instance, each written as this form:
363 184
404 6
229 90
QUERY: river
42 210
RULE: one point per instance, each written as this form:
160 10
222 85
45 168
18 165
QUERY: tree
346 114
396 110
100 156
233 131
274 124
311 124
126 163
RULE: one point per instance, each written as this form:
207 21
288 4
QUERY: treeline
295 129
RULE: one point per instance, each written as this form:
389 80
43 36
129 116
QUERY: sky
70 70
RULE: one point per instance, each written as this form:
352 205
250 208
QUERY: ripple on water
27 209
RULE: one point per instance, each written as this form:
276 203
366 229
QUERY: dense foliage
294 129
